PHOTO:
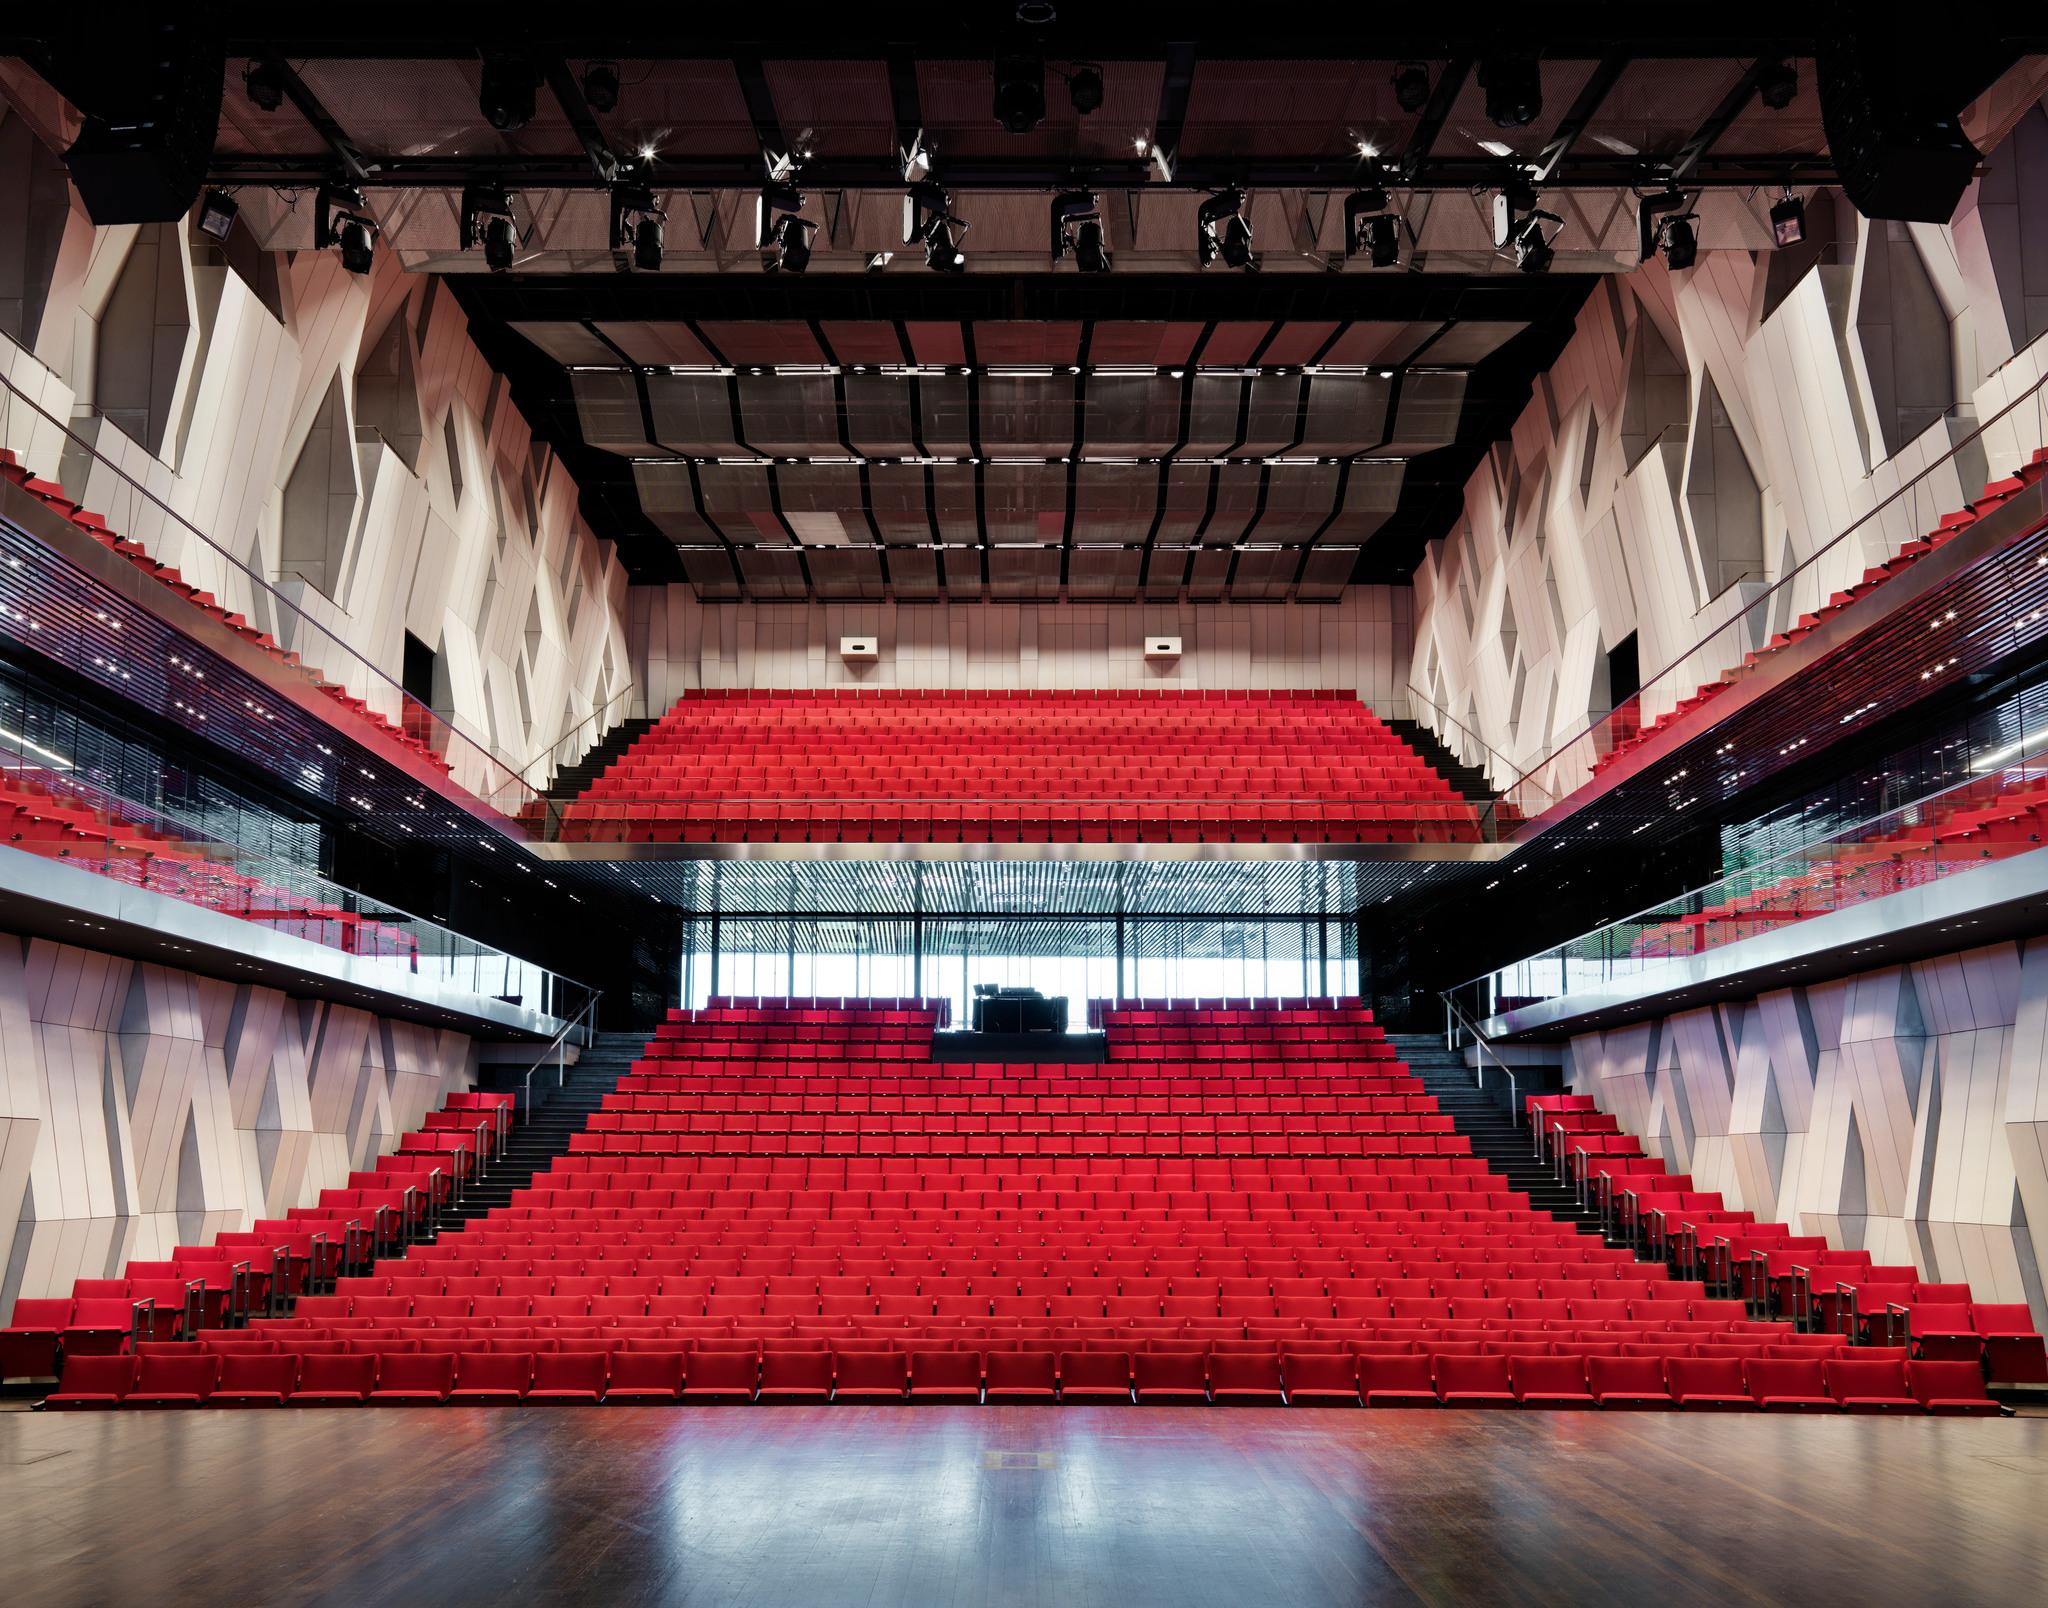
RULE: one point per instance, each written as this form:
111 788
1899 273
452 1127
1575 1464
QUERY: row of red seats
407 735
1025 768
1770 1268
1169 1378
41 812
1629 733
200 1288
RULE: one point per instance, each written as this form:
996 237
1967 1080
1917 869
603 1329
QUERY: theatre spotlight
1222 230
1077 229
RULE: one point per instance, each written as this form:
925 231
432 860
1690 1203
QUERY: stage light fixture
792 239
1777 83
1411 86
487 221
1663 225
1077 229
636 226
1020 92
1514 89
1084 88
1222 230
601 86
339 220
264 85
1515 197
928 220
1788 221
1370 229
217 213
505 93
1533 248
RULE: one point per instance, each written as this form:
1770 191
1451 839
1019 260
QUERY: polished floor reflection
1063 1505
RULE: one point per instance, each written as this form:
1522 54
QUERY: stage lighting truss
487 221
636 226
339 219
928 220
1222 230
1077 231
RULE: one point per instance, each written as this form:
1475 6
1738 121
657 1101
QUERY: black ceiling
1463 350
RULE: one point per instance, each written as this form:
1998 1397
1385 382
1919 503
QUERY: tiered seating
44 812
413 734
1025 767
1629 734
1992 819
203 1301
1773 1272
1252 1203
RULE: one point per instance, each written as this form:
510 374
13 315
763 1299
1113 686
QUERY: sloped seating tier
1316 1276
1032 767
1994 818
210 1295
1772 1272
1630 732
410 734
44 813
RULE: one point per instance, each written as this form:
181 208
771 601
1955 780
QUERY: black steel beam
341 149
1414 159
557 172
1693 154
1174 86
604 161
760 101
1575 122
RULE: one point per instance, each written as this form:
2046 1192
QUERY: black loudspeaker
1897 156
151 95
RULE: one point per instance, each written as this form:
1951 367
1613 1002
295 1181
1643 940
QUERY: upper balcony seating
46 814
1991 819
1630 732
1025 767
1311 1273
410 734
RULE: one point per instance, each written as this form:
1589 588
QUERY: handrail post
141 1318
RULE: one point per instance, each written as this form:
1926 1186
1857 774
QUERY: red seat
795 1376
1952 1388
1628 1383
91 1382
1021 1376
1787 1385
1164 1378
643 1378
1550 1381
1473 1381
1095 1376
1870 1386
1708 1384
412 1379
333 1381
569 1378
1245 1380
945 1376
174 1381
1320 1379
713 1375
255 1380
28 1345
869 1375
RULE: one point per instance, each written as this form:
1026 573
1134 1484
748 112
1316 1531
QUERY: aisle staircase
541 1135
1505 1147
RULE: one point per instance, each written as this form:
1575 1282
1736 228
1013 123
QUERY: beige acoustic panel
1902 1111
145 1107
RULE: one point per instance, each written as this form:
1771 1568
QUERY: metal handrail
556 1049
554 747
1458 1021
1763 598
261 585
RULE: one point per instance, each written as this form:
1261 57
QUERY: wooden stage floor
1055 1506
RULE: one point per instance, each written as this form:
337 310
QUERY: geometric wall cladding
143 1108
1903 1111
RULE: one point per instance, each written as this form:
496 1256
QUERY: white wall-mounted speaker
1162 647
860 650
